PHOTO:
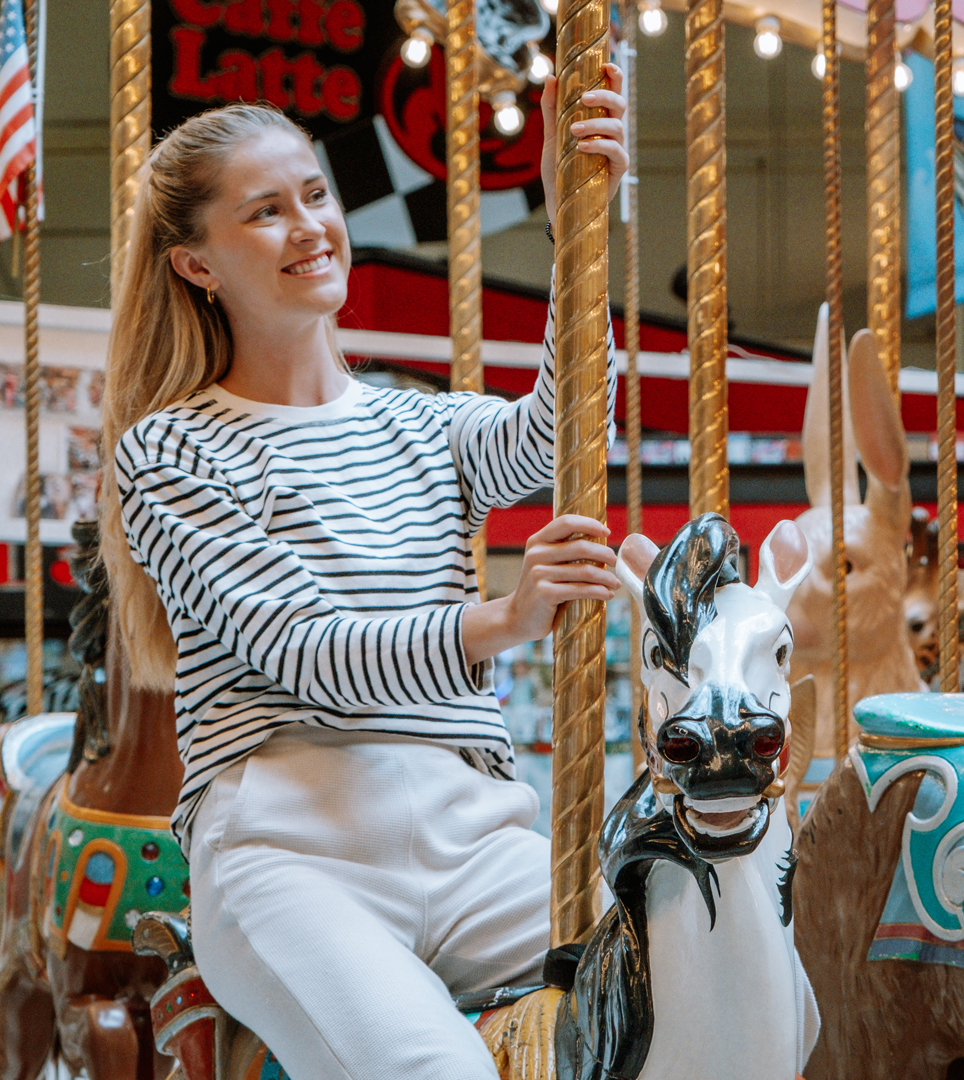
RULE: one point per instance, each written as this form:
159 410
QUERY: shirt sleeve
216 565
503 450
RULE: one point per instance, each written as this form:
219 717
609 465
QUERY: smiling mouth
722 817
306 266
720 829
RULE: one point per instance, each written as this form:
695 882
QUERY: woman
309 541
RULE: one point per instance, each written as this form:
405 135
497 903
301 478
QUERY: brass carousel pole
33 552
465 246
634 486
579 669
831 166
883 187
706 259
130 119
946 397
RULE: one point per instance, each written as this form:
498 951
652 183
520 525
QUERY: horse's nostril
680 749
768 744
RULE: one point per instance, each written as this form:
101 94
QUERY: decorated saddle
923 918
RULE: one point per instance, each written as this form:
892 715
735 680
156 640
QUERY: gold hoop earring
210 295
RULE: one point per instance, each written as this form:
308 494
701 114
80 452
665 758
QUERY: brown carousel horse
879 896
82 851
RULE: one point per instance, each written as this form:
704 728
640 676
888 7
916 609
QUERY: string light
903 76
550 7
768 44
818 65
417 50
508 116
652 18
540 68
957 78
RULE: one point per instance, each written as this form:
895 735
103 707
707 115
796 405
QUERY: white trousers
342 892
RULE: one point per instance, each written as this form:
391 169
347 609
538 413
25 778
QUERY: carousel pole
883 187
465 245
831 167
130 119
946 397
579 668
33 552
634 485
706 257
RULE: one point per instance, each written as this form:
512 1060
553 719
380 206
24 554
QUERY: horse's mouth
717 829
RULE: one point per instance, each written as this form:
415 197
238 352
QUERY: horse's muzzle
721 746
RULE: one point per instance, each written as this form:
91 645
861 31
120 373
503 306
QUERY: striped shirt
315 563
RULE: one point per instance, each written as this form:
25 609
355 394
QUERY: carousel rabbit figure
875 533
81 853
693 971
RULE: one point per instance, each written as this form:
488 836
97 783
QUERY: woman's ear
192 268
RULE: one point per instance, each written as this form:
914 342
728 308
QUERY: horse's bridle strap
894 742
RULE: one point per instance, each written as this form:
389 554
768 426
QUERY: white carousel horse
693 972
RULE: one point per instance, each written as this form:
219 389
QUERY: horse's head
715 661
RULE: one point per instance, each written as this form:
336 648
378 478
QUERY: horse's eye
782 653
655 656
916 626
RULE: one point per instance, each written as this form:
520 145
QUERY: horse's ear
636 554
785 560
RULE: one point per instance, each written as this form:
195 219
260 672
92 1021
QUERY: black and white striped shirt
315 562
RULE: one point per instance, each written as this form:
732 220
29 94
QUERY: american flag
18 134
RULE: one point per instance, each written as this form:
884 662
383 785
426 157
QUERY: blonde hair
166 342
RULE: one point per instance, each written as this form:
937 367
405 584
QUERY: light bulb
903 76
818 65
540 68
652 18
550 7
508 115
957 78
417 50
767 44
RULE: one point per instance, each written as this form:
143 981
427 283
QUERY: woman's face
276 241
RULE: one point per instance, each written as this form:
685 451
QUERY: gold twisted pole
579 668
465 244
883 187
33 552
634 480
130 119
831 176
706 256
946 397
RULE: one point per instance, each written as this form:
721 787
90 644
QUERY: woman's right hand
559 566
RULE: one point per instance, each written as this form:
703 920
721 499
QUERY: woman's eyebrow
314 178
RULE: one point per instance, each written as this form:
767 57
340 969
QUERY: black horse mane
679 593
88 645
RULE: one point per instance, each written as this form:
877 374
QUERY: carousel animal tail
521 1037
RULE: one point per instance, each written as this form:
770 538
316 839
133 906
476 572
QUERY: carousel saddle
33 753
919 733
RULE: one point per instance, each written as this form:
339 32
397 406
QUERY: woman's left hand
603 135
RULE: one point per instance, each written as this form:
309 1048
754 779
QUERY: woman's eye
264 212
318 195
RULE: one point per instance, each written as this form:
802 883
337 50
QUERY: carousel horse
879 895
920 600
875 533
84 847
693 972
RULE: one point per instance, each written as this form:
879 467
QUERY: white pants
341 892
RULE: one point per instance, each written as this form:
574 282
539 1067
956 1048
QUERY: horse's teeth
721 806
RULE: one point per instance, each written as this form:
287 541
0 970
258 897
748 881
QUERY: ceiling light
903 76
652 18
767 44
508 116
417 50
540 68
